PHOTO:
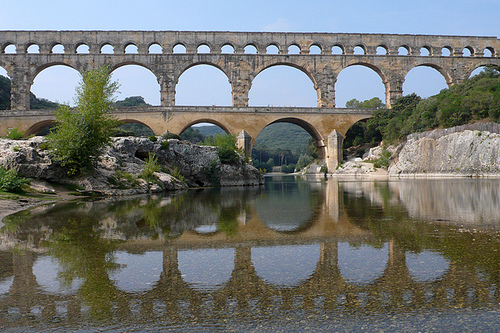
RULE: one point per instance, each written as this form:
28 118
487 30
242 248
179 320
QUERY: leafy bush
150 167
80 135
10 181
304 160
169 135
226 145
14 134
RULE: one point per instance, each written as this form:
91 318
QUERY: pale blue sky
206 86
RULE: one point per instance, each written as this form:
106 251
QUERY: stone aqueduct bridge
326 124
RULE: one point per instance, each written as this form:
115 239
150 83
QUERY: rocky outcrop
118 169
470 153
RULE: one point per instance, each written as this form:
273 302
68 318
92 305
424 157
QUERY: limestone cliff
118 169
463 152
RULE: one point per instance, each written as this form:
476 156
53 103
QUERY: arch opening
56 83
467 51
446 51
33 48
360 82
482 69
155 48
315 49
426 266
57 49
203 48
425 81
41 129
381 50
227 49
337 49
293 49
199 131
5 90
282 85
83 49
488 52
137 81
250 49
203 85
131 49
359 50
132 127
179 48
362 265
404 50
286 145
272 49
425 51
10 49
107 49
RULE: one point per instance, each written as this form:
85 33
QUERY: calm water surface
295 255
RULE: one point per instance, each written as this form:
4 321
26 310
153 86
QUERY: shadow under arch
37 128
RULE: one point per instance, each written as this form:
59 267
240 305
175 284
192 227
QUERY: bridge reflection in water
354 249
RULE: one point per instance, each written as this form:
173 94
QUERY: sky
279 86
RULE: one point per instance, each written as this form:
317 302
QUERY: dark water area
294 255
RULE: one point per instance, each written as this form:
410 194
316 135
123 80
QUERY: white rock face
467 153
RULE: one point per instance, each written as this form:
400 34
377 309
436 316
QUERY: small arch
359 50
57 49
381 50
107 49
203 48
489 52
338 49
33 48
155 48
404 50
468 51
427 266
250 49
10 49
82 49
272 49
315 49
131 48
293 49
227 49
179 48
446 51
425 51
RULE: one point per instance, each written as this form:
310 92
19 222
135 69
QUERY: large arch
35 129
206 121
426 80
203 84
358 81
136 80
56 82
283 84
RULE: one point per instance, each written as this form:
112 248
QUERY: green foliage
4 93
288 168
384 160
192 135
132 101
304 160
213 173
80 135
15 134
10 181
226 145
374 103
135 129
153 138
150 167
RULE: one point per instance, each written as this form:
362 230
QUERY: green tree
80 135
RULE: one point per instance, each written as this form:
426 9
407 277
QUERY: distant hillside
209 130
284 136
35 103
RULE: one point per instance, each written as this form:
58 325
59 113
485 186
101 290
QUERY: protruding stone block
334 143
244 141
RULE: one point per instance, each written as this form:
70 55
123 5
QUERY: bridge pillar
393 90
244 142
333 156
325 86
20 89
167 83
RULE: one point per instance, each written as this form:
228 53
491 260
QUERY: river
297 254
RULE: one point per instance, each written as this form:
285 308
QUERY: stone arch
224 48
339 46
81 46
130 48
491 50
482 65
272 47
201 46
56 47
155 48
468 51
285 64
156 97
446 51
431 85
251 48
404 50
293 48
372 67
441 70
104 46
134 121
7 45
208 121
381 49
38 127
315 49
361 47
181 48
32 46
426 51
67 83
